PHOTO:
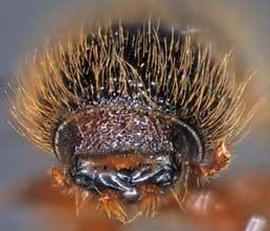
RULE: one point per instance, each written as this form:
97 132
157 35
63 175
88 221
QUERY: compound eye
187 142
66 138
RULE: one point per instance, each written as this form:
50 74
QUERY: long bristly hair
167 72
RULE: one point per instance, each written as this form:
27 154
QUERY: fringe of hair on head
171 73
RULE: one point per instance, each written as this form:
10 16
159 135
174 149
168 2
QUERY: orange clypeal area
122 161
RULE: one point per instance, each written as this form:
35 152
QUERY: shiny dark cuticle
123 181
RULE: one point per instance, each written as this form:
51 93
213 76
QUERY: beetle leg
221 159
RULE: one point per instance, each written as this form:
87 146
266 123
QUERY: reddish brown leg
231 204
151 200
221 159
109 204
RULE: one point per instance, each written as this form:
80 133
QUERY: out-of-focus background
240 25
